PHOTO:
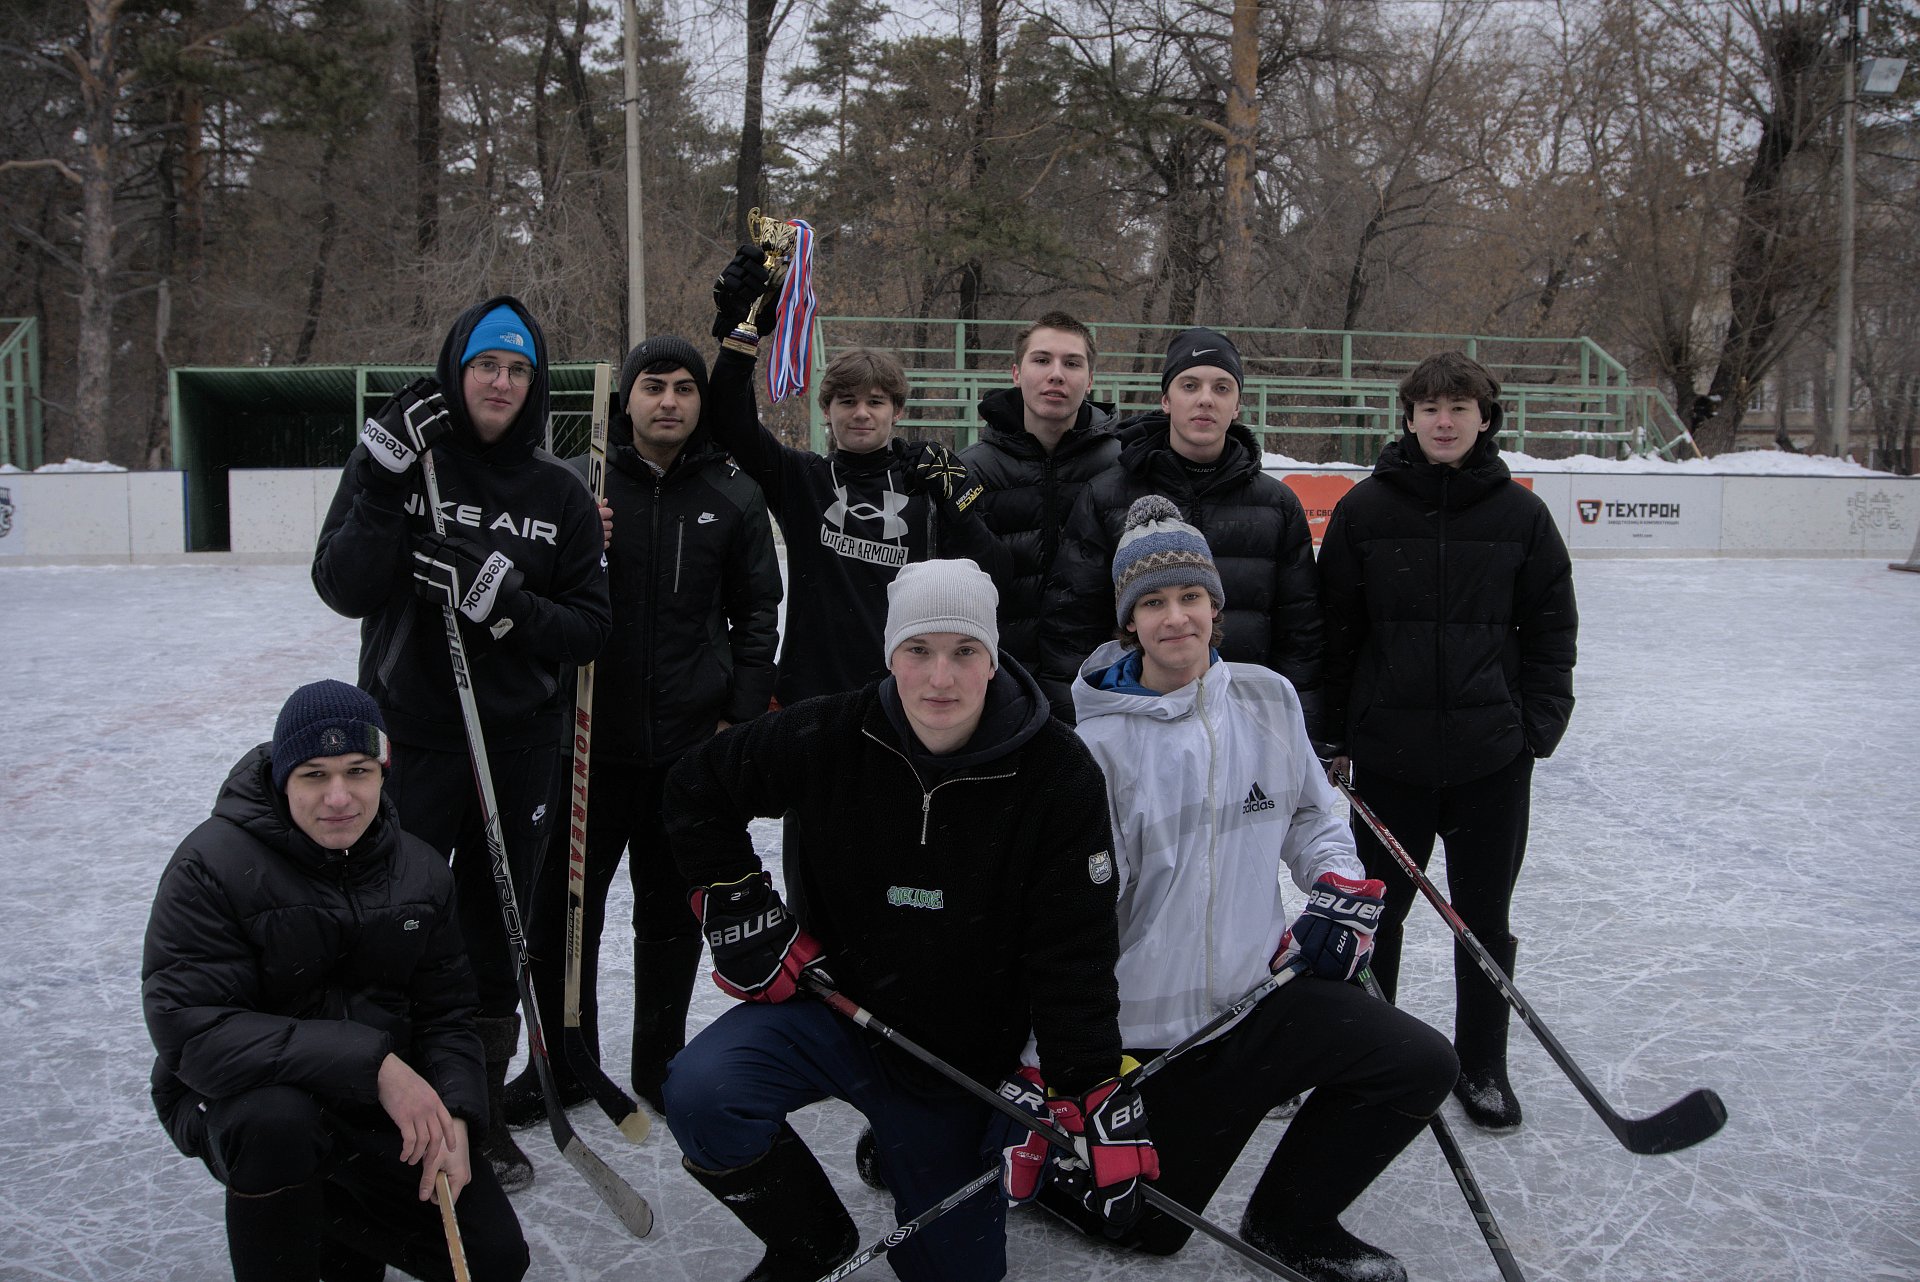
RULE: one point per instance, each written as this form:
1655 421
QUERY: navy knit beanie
1157 550
327 719
1201 346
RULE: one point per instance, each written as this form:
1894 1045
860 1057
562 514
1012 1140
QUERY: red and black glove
1109 1126
758 947
1023 1166
1334 933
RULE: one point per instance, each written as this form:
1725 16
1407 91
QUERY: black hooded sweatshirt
272 961
966 898
850 521
1255 527
1450 618
511 497
1030 494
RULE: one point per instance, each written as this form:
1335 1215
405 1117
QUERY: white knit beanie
942 596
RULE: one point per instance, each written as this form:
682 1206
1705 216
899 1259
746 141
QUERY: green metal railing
22 434
1301 384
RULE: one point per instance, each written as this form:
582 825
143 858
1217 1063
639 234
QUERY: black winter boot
276 1237
664 972
784 1199
524 1105
1334 1147
499 1038
1480 1038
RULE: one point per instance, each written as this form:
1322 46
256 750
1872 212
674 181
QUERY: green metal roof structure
21 432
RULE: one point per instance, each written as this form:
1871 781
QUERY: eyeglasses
518 373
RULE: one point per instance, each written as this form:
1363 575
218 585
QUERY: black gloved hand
481 585
759 950
744 280
406 428
937 472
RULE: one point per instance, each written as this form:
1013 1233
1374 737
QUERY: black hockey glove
936 471
744 280
758 947
1334 933
1109 1126
481 585
406 428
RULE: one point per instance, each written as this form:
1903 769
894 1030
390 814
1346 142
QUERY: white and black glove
481 585
405 429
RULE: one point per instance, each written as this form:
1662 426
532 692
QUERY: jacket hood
1404 466
1091 700
1015 710
699 451
529 430
1148 439
249 801
1003 414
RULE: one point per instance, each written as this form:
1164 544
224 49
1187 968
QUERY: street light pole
636 223
1843 296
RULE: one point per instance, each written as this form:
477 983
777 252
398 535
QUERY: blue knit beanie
501 330
327 719
1157 550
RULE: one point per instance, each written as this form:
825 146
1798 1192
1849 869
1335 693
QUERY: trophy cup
776 238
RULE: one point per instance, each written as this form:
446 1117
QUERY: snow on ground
1720 894
1738 463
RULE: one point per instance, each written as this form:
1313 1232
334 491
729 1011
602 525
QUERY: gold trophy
777 239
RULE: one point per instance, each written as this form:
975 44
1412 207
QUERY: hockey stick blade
627 1206
1683 1123
619 1107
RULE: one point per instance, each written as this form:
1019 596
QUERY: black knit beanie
1201 346
327 719
662 347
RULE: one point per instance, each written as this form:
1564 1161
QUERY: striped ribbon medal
792 337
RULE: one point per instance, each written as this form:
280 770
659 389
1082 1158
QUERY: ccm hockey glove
936 471
1334 933
481 585
1109 1126
758 947
406 428
744 280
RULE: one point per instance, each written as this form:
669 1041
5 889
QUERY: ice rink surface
1723 890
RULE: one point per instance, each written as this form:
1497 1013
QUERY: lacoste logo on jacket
1256 800
411 923
706 518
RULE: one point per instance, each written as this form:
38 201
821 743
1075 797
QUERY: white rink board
1662 515
1820 516
94 517
276 513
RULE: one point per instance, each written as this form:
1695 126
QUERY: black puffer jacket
696 597
968 906
1450 620
511 497
1261 545
1029 496
270 961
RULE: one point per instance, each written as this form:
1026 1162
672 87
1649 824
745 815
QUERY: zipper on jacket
926 793
1440 623
650 671
679 549
1213 818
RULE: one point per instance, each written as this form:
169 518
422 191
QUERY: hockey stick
1686 1121
456 1250
630 1208
1463 1176
854 1263
1047 1130
584 1060
1253 997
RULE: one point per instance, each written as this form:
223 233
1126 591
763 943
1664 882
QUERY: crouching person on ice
949 863
1216 798
305 984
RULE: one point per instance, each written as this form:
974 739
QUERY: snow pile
68 465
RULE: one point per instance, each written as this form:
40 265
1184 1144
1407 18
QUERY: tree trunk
423 42
100 87
1243 122
746 174
323 249
973 272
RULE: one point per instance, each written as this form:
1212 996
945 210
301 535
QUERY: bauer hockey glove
481 585
406 428
1023 1166
936 471
1109 1129
1334 933
759 950
744 280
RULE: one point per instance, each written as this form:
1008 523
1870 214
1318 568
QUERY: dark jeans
440 804
276 1137
1483 824
732 1086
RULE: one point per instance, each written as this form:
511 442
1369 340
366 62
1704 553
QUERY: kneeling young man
1203 919
305 984
949 861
